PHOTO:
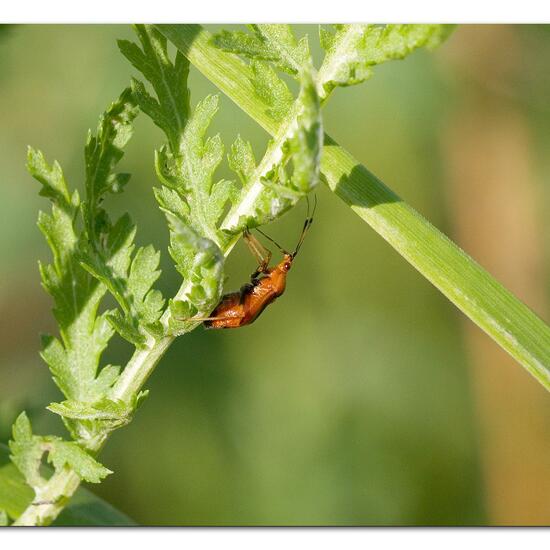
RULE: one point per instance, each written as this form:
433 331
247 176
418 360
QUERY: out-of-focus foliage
363 415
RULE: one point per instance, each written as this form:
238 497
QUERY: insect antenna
273 241
307 225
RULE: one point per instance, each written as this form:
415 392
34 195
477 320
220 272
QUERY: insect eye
287 266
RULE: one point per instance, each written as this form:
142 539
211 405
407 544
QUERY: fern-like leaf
191 198
353 50
275 43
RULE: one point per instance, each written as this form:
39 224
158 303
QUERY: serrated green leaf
171 202
293 56
105 414
125 327
196 162
169 80
274 43
143 274
272 90
55 357
129 281
22 430
143 305
102 152
110 259
353 50
111 272
53 182
241 159
245 44
106 378
27 450
106 409
222 193
68 453
105 148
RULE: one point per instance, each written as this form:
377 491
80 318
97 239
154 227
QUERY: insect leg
218 318
260 252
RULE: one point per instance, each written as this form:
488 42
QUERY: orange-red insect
241 308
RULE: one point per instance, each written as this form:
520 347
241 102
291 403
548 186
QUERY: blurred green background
362 396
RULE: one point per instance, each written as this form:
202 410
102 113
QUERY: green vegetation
102 285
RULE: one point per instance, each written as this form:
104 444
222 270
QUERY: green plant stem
50 500
497 311
140 367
